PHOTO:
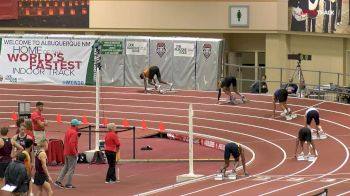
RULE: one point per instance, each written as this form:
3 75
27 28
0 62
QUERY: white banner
136 47
44 60
184 49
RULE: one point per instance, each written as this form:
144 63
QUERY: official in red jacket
112 148
70 155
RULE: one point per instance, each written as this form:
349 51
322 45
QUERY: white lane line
123 99
317 104
345 193
329 185
217 129
127 88
339 167
173 186
277 179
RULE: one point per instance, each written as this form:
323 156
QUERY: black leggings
111 158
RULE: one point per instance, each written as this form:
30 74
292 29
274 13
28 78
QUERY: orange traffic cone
161 127
58 118
105 121
14 116
143 124
85 121
125 122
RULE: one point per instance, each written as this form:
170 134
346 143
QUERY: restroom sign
239 16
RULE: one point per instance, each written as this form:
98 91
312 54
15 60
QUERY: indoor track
273 170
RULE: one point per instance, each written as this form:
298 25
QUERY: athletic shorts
231 148
154 70
226 82
40 178
281 95
3 167
305 134
312 114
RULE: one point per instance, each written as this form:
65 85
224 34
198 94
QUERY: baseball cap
75 122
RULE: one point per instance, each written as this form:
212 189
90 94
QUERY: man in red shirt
39 123
112 148
70 155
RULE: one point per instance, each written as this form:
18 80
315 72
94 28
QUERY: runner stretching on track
237 151
149 73
225 85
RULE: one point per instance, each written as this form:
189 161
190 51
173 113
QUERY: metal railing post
338 90
319 84
281 72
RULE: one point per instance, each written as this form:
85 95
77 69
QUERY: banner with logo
113 58
161 55
136 47
207 64
45 60
321 16
182 49
184 63
136 59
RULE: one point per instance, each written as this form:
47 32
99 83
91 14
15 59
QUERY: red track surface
272 140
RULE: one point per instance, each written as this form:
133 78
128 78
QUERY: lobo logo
161 49
207 50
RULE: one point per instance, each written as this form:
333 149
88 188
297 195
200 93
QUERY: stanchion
190 174
133 142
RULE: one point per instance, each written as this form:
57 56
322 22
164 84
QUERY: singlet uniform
232 148
305 134
281 95
21 140
5 156
40 176
151 72
312 113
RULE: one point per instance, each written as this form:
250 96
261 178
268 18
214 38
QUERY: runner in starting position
281 96
225 84
149 73
312 113
237 151
304 136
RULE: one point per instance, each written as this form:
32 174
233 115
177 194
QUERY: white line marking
324 187
339 167
337 103
277 179
199 179
345 193
218 129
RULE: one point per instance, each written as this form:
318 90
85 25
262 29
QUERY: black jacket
16 175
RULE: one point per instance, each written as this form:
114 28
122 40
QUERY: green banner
111 47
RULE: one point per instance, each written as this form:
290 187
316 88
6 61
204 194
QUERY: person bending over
237 152
225 85
313 114
148 77
280 96
304 135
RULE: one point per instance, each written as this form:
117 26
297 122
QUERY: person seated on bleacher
291 87
254 88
